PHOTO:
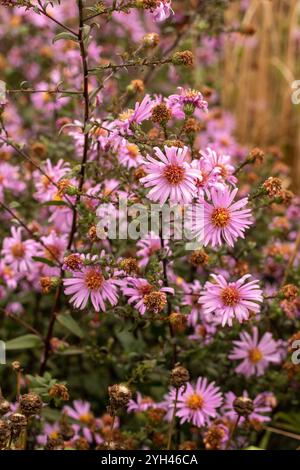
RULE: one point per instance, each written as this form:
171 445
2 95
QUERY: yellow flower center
93 280
195 401
174 174
230 296
220 217
255 355
133 151
126 115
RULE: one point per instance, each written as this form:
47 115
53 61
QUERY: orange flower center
54 435
220 217
133 151
52 253
18 250
255 355
93 280
174 174
195 401
1 178
230 296
86 418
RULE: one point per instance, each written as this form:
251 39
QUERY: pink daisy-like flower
17 254
140 113
89 283
225 301
137 289
178 102
256 354
162 11
197 404
148 246
170 177
219 164
45 189
263 403
223 219
141 404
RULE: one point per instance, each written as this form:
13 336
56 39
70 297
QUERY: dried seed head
243 406
31 404
151 40
161 114
273 186
59 391
256 155
191 126
178 322
38 150
179 376
4 407
289 291
188 445
55 444
185 58
199 258
155 301
5 431
130 266
147 4
286 196
16 365
139 173
82 444
213 438
92 233
136 86
46 284
18 422
119 396
66 187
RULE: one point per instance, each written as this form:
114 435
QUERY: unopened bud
185 58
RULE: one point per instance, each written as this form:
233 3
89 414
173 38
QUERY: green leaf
24 342
65 35
54 203
70 324
43 260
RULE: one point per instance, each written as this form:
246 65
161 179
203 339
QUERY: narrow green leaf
70 324
24 342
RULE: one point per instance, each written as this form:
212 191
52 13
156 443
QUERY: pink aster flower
228 300
10 178
223 219
148 246
140 113
162 11
137 289
45 189
219 164
197 404
141 404
51 431
263 404
17 254
89 283
255 353
170 177
186 98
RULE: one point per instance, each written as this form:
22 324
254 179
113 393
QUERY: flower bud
151 40
185 58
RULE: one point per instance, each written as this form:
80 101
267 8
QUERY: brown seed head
161 114
273 186
31 404
199 258
185 58
243 406
59 391
155 301
119 396
179 376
